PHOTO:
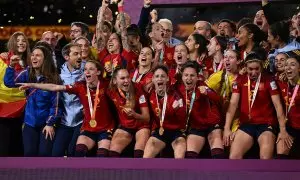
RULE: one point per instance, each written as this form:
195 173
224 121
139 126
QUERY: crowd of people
135 88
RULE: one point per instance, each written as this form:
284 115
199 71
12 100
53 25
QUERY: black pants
11 137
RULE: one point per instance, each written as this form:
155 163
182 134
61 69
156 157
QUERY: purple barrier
134 169
133 7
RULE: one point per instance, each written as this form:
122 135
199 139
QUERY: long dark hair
282 30
258 34
202 41
222 41
47 70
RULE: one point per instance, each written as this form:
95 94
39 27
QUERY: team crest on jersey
177 104
142 99
273 85
101 92
234 85
169 56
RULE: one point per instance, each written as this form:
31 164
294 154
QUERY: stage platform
146 169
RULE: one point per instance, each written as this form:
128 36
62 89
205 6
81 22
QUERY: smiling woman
41 112
133 113
97 125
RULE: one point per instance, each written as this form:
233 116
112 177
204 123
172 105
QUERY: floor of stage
146 169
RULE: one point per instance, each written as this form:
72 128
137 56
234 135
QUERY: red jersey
175 117
120 102
208 66
104 118
280 77
205 112
132 59
174 75
18 68
169 56
141 79
294 113
262 111
124 59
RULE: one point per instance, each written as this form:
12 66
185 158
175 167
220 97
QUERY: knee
235 155
180 142
266 156
121 137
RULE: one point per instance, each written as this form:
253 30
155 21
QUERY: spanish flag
12 100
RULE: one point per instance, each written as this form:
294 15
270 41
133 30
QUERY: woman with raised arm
115 51
41 111
169 121
133 114
256 94
98 123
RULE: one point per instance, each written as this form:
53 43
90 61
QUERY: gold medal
161 131
93 123
127 104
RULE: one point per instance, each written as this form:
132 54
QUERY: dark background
47 12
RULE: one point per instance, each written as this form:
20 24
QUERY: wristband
121 8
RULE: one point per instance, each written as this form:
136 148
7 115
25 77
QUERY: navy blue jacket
42 107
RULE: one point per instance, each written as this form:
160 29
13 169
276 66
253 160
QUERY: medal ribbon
162 118
96 101
191 105
289 104
250 103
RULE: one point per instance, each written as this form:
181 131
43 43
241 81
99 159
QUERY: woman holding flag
11 118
